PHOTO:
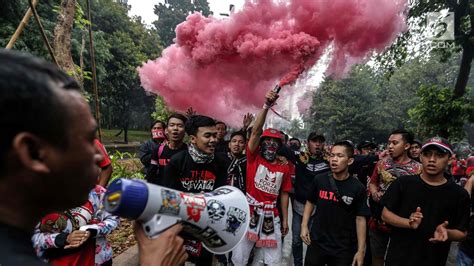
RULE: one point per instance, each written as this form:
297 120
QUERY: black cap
417 141
316 136
366 144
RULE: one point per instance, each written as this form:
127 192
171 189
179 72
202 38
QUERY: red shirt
106 160
266 180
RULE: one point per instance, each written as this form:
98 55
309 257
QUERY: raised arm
257 129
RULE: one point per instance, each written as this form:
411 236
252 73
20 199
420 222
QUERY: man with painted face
308 165
163 153
427 211
266 181
197 169
385 172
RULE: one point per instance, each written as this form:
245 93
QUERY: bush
126 165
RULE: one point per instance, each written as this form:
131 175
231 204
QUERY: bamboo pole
94 76
20 27
43 34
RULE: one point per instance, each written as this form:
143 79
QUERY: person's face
295 143
157 126
339 161
269 148
175 129
397 146
73 169
205 139
434 161
315 146
366 151
221 131
415 150
237 145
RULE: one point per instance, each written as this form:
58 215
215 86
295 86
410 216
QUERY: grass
108 136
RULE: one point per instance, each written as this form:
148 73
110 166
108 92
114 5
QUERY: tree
62 38
438 114
174 12
463 10
348 108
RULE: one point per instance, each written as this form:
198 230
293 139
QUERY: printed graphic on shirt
215 211
317 167
171 201
199 180
268 225
82 215
331 196
195 205
235 218
268 181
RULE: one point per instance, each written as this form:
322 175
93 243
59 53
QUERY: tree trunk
125 133
464 71
62 38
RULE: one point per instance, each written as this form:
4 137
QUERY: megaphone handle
159 223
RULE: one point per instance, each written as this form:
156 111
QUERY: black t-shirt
183 174
467 246
447 202
16 247
334 227
222 146
159 162
363 167
306 169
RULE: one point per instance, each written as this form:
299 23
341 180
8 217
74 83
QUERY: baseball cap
316 136
272 133
441 143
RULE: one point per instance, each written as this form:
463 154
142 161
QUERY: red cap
272 133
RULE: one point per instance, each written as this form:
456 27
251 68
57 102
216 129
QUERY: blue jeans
463 260
297 242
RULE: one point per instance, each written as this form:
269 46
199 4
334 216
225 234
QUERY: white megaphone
219 219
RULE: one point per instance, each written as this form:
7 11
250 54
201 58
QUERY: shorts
378 243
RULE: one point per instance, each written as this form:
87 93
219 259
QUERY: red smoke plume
223 67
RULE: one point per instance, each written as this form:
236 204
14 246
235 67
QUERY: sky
144 8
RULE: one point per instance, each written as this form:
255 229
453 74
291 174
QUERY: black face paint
268 150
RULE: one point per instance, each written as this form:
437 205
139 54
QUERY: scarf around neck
199 156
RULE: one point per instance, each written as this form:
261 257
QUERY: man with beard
427 211
385 172
162 153
338 234
266 180
308 165
197 169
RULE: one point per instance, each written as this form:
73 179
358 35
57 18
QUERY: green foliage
125 166
438 114
173 13
162 111
121 44
348 108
